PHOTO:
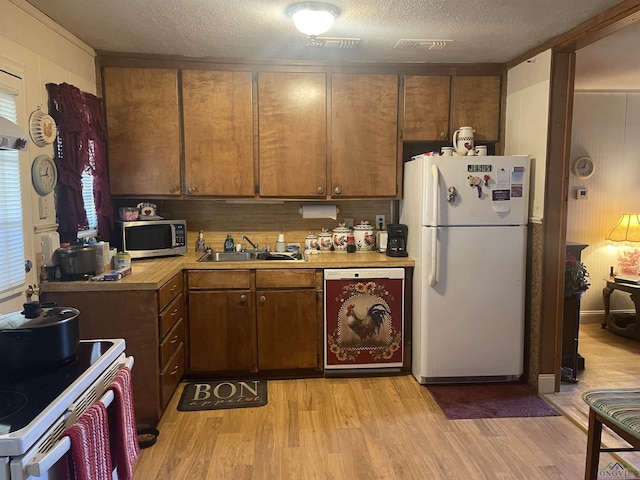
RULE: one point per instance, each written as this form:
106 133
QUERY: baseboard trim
546 383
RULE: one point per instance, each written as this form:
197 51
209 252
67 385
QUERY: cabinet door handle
191 190
320 190
243 297
173 189
262 299
443 135
338 190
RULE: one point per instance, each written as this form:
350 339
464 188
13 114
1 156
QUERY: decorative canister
365 239
311 242
340 234
324 241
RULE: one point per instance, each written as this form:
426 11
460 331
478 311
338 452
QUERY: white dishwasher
363 318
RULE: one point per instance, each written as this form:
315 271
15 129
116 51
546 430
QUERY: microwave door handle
173 236
42 463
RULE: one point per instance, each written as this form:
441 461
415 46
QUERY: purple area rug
491 400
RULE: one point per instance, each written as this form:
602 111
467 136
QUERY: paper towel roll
320 211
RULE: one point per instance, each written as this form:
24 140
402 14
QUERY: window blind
11 231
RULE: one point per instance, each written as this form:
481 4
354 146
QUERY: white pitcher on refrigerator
463 140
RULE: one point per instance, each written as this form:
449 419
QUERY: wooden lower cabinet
140 317
272 325
287 333
222 331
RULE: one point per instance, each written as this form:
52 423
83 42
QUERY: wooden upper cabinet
364 135
218 133
143 131
426 108
477 104
292 134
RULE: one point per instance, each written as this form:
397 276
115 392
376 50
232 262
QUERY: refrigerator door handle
435 174
433 275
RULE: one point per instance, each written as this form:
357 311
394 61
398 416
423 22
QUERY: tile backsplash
261 221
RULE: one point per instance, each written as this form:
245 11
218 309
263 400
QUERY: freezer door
476 190
472 307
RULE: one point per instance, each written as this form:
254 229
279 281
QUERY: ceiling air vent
422 43
332 42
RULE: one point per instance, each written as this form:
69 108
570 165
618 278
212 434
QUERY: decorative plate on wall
42 128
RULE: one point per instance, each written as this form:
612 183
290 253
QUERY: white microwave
151 238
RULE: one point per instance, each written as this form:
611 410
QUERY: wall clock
44 175
583 167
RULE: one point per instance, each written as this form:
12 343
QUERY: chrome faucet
254 245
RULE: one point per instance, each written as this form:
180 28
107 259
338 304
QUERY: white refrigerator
467 231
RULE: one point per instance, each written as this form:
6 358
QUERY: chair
620 411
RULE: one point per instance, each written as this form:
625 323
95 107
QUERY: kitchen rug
491 400
223 394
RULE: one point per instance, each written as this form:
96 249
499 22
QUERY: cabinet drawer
171 374
170 290
170 315
213 279
171 342
298 278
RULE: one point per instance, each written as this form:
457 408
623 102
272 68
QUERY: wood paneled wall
605 128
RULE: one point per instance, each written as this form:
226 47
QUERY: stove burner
10 403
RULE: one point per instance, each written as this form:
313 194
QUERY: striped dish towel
122 424
90 456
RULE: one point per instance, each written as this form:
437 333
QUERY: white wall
606 128
39 51
527 116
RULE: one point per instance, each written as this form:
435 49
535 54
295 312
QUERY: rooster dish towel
364 323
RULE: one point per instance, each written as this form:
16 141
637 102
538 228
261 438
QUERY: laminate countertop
151 274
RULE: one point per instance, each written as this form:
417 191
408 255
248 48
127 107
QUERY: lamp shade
312 18
626 230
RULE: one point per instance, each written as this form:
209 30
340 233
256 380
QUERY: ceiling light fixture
312 18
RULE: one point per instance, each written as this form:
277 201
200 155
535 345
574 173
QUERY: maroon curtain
80 146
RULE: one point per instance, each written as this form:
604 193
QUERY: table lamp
627 233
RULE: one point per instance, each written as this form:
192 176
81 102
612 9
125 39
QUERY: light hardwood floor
611 361
383 428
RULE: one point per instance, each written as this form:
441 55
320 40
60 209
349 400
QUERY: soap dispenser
228 243
200 247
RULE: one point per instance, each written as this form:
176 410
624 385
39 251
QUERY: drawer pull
173 288
174 339
175 312
175 370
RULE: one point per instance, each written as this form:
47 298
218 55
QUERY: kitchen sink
251 255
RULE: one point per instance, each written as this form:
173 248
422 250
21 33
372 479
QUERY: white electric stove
36 408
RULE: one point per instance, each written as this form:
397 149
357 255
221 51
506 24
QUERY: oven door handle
42 463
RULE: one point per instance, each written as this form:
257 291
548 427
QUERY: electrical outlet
381 224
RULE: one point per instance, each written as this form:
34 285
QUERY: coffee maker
397 240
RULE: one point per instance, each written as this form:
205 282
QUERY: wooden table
629 330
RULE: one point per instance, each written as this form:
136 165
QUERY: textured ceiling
479 30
